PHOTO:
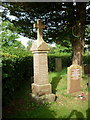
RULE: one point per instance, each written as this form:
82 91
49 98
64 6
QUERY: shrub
86 59
66 61
15 72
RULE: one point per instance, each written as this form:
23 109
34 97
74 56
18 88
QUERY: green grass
65 106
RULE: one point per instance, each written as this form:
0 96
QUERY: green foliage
86 59
61 50
66 61
10 46
87 35
9 35
29 45
16 70
87 31
15 51
16 62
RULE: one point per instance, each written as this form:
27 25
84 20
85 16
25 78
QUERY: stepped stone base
43 98
41 89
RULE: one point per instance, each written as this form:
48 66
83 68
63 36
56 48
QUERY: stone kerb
74 77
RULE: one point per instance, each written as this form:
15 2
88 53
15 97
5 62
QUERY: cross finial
39 27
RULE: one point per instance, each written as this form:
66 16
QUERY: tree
77 26
65 21
9 36
52 15
60 50
87 40
29 45
87 34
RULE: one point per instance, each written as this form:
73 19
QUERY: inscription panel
75 74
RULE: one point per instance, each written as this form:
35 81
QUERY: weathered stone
48 97
39 27
58 64
40 68
87 69
41 89
43 98
40 48
74 78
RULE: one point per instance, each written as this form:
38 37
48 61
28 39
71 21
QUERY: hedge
86 59
17 70
66 61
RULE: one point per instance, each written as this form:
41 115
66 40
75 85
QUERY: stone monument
41 86
74 77
58 64
87 69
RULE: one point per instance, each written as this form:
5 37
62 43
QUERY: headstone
58 64
74 77
41 86
87 69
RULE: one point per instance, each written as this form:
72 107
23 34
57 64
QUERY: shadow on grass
55 82
28 109
78 114
23 107
56 79
88 113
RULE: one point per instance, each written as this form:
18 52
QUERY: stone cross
41 85
39 27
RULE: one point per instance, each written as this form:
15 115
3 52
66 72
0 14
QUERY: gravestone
87 69
41 86
74 77
58 64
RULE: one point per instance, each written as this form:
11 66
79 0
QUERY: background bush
86 59
15 72
66 61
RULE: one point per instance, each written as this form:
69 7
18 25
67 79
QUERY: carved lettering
75 74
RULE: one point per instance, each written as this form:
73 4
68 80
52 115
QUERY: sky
23 40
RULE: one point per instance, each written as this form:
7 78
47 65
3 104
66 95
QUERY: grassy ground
65 106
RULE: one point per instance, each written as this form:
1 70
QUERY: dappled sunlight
66 105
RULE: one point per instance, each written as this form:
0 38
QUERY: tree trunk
78 31
78 48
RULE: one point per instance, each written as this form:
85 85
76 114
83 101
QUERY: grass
66 105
